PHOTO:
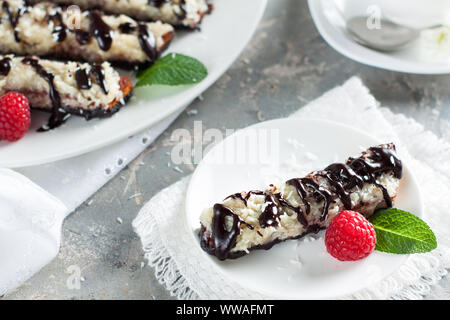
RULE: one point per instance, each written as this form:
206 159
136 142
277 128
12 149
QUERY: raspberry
350 237
14 116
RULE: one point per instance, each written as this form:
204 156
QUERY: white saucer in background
295 269
421 56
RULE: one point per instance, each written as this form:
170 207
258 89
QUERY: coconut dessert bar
184 13
260 219
65 88
42 29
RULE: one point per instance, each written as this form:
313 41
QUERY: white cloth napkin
30 227
188 274
35 200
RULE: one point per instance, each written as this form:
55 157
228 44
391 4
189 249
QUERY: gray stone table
286 65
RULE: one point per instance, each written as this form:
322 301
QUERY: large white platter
223 36
329 17
295 269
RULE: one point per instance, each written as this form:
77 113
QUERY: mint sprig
401 232
172 70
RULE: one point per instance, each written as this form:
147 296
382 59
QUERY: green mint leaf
401 232
174 69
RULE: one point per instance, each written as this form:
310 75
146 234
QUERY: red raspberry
14 116
350 236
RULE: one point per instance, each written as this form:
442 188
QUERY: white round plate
223 36
294 269
329 17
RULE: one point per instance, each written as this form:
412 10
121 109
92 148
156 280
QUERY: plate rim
189 190
398 65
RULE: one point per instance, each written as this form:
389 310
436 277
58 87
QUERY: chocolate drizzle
225 239
83 37
83 79
99 74
59 115
342 178
382 158
347 178
146 38
270 215
183 10
319 194
100 30
148 42
300 216
157 3
5 66
127 28
14 18
247 196
60 29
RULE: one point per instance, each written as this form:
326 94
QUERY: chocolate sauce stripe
100 30
224 240
14 19
83 79
59 115
5 66
271 213
157 3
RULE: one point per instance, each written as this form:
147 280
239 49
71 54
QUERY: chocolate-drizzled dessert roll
65 88
185 13
260 219
42 29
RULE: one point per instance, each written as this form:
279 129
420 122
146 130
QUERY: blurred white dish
426 55
415 13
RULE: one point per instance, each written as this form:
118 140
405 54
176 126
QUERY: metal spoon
388 37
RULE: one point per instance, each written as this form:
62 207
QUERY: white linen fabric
35 200
185 271
30 228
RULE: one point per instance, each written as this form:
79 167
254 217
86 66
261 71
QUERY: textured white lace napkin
188 274
35 200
